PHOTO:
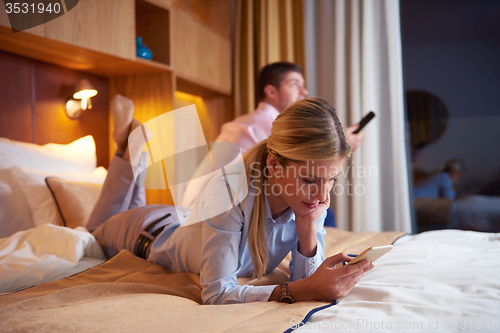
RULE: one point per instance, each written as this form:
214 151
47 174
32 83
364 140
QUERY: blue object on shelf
142 50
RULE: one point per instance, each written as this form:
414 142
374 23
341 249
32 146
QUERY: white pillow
40 201
78 156
15 214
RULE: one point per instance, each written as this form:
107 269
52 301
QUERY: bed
444 280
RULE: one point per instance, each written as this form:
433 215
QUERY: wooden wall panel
209 112
93 34
161 3
15 97
53 87
153 25
4 21
219 111
107 26
200 53
214 13
152 95
33 95
73 57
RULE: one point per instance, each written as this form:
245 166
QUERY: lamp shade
84 90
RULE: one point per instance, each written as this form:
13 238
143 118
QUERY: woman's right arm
220 253
327 283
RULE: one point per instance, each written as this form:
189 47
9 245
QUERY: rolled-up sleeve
300 266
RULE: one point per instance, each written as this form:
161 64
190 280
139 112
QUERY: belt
145 239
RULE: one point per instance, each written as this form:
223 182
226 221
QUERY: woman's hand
315 214
354 140
306 228
330 283
327 283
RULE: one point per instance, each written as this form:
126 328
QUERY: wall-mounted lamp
84 91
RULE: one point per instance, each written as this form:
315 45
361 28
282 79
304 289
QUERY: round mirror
427 115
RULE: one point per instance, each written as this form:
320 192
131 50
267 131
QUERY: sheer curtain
354 60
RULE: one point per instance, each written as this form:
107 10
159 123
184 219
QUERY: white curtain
354 60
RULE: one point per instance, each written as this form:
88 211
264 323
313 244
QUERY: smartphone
371 254
366 119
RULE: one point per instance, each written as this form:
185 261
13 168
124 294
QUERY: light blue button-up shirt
217 249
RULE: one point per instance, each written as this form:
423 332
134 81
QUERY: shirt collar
268 109
284 218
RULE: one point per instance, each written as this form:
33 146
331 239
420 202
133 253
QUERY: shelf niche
153 25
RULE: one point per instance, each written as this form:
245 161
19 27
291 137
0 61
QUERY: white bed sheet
438 281
45 253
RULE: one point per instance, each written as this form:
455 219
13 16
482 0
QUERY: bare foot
122 110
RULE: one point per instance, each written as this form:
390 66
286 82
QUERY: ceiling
437 21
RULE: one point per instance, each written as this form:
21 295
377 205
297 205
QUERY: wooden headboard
32 100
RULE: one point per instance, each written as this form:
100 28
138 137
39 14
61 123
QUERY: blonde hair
307 130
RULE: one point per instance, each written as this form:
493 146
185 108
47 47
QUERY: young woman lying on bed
302 157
